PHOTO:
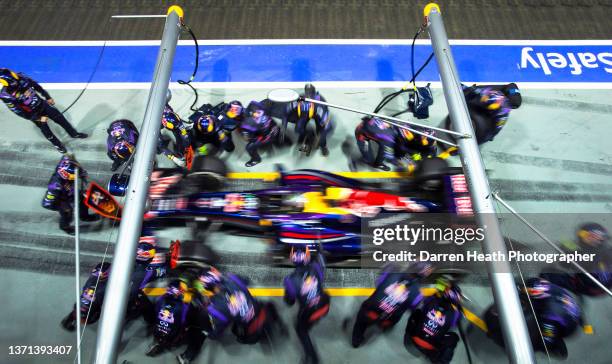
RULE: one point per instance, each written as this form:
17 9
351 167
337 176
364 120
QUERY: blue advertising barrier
311 62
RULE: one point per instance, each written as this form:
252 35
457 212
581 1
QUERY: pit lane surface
551 157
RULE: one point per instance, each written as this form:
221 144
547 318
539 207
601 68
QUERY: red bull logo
166 315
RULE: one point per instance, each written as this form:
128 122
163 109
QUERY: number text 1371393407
39 349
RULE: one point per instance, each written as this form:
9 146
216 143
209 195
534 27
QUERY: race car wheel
207 174
430 172
191 254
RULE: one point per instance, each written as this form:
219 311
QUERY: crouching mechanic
182 138
232 115
60 193
592 238
490 108
399 146
209 130
26 98
374 130
305 285
149 266
259 130
121 142
396 291
92 296
175 322
233 305
412 147
557 315
429 326
301 112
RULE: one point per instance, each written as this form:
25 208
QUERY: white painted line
383 42
321 84
137 16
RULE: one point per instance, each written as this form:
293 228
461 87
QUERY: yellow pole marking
179 11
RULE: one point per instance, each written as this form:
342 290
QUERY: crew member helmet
492 100
176 288
310 91
145 252
206 124
123 149
299 255
8 78
101 271
67 169
234 109
592 235
209 278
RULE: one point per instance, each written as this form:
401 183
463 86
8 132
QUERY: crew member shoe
182 359
154 350
383 167
68 230
92 217
68 323
178 161
356 341
324 151
80 135
252 162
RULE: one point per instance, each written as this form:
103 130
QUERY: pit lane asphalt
552 156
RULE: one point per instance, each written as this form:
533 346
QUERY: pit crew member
305 285
429 326
301 112
182 137
259 130
396 291
26 98
121 142
60 193
209 130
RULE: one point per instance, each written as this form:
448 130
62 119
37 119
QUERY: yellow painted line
350 292
267 292
271 176
471 317
154 291
280 292
370 175
266 176
343 292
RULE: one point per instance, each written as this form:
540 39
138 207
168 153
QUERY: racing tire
429 173
207 174
191 254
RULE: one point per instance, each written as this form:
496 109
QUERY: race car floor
552 157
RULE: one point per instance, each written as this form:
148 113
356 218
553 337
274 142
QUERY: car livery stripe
309 236
271 176
309 241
